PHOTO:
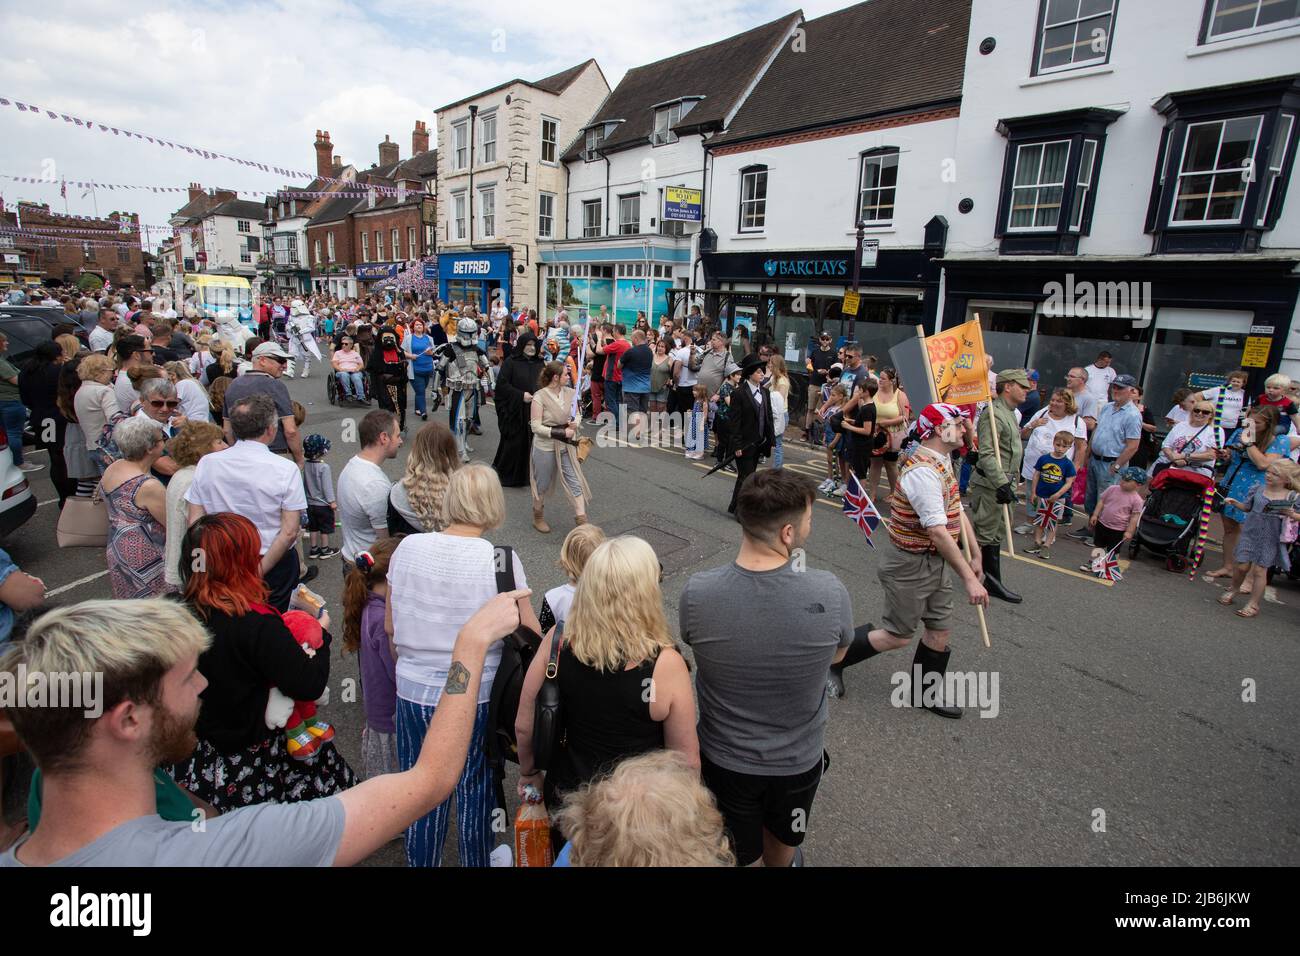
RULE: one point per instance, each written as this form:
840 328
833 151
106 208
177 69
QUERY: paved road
1124 700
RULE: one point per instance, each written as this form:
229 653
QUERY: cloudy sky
257 79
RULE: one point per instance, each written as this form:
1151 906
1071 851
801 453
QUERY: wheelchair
334 391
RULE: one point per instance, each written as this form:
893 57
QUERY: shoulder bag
547 716
83 522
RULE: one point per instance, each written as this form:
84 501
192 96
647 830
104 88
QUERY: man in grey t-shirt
765 630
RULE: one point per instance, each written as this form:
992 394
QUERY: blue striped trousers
474 794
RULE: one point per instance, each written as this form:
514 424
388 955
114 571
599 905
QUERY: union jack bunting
860 509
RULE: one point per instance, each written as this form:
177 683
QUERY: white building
501 183
1136 153
810 154
637 177
219 233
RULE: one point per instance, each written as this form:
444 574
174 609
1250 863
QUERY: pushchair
1171 516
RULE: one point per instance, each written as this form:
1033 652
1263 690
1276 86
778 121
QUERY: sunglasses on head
164 403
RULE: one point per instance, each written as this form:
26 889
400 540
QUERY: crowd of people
209 483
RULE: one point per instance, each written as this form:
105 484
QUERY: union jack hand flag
1049 514
1107 566
860 509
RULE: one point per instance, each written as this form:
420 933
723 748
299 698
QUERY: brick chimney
324 150
225 195
420 138
195 191
388 152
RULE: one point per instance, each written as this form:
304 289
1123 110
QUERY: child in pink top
1116 516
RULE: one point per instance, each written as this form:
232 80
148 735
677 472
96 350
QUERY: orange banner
957 364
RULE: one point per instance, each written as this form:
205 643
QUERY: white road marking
76 584
42 504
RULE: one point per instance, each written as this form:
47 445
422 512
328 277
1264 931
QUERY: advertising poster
957 362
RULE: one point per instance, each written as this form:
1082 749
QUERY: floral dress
1246 476
1261 535
137 543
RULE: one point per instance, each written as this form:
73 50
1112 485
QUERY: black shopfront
1177 319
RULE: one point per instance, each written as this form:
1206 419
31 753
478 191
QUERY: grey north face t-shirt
269 834
763 643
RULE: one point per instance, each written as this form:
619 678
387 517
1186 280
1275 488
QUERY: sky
256 79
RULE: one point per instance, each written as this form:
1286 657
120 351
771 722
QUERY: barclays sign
806 268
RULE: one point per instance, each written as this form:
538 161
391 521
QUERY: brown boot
539 522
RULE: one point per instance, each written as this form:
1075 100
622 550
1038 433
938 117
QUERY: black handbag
548 714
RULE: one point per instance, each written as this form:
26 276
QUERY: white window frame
459 209
1044 26
665 119
379 245
623 222
243 225
880 159
485 121
329 245
1038 185
597 229
315 249
460 144
758 204
412 251
554 142
545 217
592 141
1083 184
1211 37
1281 146
365 246
487 210
1213 173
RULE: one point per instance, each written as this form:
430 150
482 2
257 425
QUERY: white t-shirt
249 479
1099 380
1085 406
100 338
194 400
178 520
924 490
363 505
1040 440
1188 439
685 377
437 582
1233 399
1177 414
126 394
559 600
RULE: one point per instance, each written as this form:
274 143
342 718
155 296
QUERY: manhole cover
663 543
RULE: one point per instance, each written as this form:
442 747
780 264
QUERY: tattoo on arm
457 679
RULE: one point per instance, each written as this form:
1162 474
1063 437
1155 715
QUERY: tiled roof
555 83
878 57
239 208
720 72
335 210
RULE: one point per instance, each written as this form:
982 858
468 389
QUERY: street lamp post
857 275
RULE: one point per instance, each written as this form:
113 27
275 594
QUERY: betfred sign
471 267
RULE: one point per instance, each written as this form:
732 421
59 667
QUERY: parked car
17 503
28 325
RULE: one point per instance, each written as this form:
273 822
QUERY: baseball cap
270 350
1016 375
1125 381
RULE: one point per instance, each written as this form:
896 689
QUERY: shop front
1167 322
371 276
788 298
625 279
477 277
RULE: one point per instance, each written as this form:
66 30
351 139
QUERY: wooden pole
965 541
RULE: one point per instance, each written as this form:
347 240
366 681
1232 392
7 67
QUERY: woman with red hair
239 759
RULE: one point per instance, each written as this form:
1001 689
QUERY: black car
26 326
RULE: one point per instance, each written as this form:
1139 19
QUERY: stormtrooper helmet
466 332
297 308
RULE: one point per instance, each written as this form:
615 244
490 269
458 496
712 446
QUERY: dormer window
595 137
667 116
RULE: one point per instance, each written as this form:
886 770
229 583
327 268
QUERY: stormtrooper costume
231 330
302 336
461 364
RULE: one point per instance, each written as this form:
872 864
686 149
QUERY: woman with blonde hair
651 811
614 645
192 441
555 453
69 344
415 502
95 403
779 390
577 549
223 364
436 582
193 397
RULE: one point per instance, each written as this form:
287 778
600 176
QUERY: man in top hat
992 486
753 431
